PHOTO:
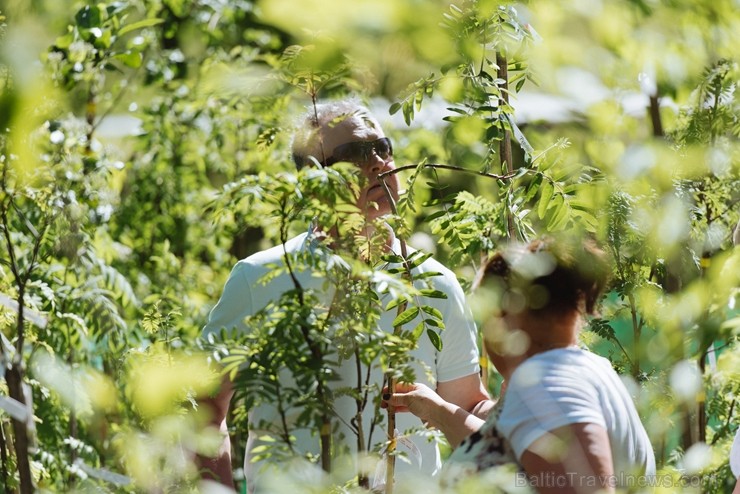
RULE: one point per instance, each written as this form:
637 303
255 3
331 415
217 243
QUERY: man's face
373 200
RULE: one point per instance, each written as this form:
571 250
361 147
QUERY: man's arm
218 467
234 305
468 393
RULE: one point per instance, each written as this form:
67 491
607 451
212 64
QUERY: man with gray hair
346 131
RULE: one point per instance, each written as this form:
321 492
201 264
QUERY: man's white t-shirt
244 295
735 455
569 386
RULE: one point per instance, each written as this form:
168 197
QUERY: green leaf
405 317
434 322
432 293
63 42
435 339
393 259
139 25
429 274
104 40
432 312
560 217
435 215
88 17
546 192
395 303
130 59
396 270
519 136
418 259
493 133
532 188
394 108
416 334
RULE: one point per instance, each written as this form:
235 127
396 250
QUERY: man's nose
376 165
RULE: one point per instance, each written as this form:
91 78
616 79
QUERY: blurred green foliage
144 148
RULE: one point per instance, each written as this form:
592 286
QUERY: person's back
570 385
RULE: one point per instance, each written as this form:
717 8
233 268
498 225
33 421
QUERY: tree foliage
114 245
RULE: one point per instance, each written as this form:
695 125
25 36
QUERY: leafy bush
116 244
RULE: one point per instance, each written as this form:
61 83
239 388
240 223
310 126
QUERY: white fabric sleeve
234 305
459 356
543 396
735 455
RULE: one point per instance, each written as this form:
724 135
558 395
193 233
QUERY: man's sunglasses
358 152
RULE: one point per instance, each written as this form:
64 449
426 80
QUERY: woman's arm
576 458
455 422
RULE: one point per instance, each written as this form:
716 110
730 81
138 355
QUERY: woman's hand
415 398
419 399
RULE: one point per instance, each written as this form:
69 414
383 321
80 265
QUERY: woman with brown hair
564 417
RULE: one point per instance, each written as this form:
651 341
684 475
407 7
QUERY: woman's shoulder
562 363
566 357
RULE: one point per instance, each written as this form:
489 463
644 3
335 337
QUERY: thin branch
624 351
655 116
4 457
390 450
114 103
316 353
726 426
636 327
284 420
20 213
507 176
505 145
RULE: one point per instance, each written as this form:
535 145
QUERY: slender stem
314 103
624 351
14 371
14 379
655 116
119 97
316 353
391 430
363 479
446 167
361 403
70 360
283 419
726 426
505 144
636 331
4 457
90 112
701 412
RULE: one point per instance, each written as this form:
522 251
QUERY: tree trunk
4 457
14 378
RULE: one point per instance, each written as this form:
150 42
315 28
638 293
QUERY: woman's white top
568 386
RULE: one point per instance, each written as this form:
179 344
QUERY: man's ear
298 160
